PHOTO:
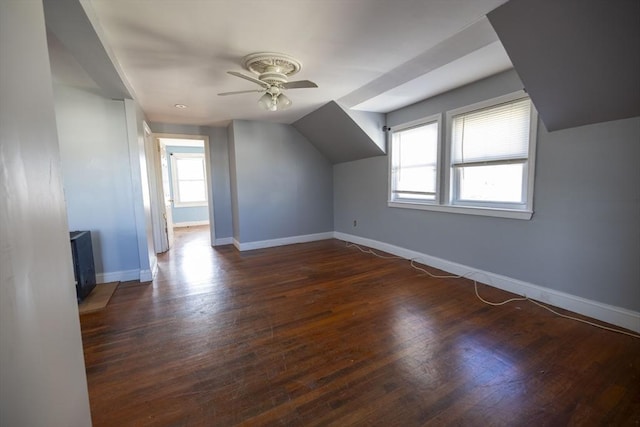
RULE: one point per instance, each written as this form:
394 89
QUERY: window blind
496 133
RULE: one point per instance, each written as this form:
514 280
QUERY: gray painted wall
42 372
583 239
97 175
233 182
482 90
219 180
283 183
219 144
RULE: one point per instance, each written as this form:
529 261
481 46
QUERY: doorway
183 187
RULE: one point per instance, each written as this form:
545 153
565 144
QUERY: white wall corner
607 313
236 243
224 241
149 275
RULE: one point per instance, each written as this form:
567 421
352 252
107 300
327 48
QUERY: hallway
191 259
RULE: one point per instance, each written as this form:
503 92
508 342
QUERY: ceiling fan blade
299 84
240 91
251 79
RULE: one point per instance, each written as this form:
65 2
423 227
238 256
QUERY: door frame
157 218
156 184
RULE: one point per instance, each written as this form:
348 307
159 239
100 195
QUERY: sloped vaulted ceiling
341 135
578 59
74 35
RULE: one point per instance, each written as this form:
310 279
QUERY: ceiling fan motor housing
273 77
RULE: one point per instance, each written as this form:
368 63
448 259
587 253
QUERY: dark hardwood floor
321 334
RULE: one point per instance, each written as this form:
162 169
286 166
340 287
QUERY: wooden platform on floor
98 298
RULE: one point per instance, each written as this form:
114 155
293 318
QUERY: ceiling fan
272 72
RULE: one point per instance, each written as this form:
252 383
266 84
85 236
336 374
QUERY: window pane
417 179
497 183
418 145
494 133
190 168
414 162
192 191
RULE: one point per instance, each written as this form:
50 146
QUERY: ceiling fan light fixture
274 102
268 102
283 102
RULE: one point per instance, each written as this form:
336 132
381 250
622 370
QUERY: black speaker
83 267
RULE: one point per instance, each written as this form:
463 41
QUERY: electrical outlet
355 223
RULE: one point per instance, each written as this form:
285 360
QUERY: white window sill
466 210
189 205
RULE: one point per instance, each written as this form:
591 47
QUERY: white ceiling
376 55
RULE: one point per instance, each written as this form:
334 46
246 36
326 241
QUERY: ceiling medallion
271 66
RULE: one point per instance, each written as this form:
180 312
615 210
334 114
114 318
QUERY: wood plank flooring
319 334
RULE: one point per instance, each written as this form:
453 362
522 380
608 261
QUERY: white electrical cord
475 286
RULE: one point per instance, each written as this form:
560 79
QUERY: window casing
487 160
189 182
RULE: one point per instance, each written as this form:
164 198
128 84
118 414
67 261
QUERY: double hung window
489 153
189 179
414 161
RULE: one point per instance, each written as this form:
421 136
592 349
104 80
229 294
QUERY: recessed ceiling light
180 106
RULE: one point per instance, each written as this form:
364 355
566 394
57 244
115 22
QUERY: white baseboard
118 276
223 241
282 241
127 275
149 275
190 223
607 313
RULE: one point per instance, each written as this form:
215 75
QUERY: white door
156 195
168 202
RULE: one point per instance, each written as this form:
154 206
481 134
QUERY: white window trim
174 180
436 118
468 210
443 201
